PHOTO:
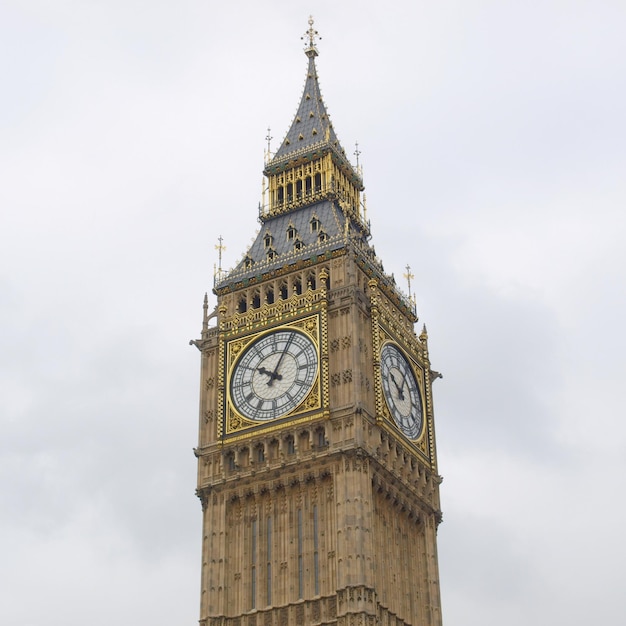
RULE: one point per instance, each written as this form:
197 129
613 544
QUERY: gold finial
268 138
218 272
357 154
408 277
312 35
220 247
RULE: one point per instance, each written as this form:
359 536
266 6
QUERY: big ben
317 468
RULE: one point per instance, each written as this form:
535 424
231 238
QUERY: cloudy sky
493 141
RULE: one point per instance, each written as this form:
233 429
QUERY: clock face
274 375
401 391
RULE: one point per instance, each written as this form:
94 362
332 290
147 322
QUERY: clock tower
317 470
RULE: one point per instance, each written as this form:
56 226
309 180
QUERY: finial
312 35
218 272
357 153
412 298
220 247
408 277
205 316
268 138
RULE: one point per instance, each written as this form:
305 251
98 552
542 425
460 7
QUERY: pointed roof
311 133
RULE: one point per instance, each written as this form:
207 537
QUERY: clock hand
400 394
262 370
274 375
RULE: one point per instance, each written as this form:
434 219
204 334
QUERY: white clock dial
401 391
274 375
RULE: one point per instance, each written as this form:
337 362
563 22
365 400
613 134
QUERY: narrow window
327 278
260 454
297 286
300 558
256 301
291 446
316 562
315 224
269 295
321 438
253 567
269 561
242 307
298 189
304 442
273 452
283 291
291 232
267 240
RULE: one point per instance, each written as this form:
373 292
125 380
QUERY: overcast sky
492 137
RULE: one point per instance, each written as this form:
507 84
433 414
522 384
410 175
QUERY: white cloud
133 136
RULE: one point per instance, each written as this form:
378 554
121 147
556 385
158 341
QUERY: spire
311 133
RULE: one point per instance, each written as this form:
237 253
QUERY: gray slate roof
331 222
311 129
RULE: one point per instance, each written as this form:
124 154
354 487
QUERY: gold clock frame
424 442
419 374
234 423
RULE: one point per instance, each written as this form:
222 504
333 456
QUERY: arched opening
290 444
273 449
230 462
259 454
320 438
243 458
303 441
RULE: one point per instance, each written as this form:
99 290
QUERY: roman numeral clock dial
274 375
401 391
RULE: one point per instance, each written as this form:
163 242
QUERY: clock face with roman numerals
274 375
401 390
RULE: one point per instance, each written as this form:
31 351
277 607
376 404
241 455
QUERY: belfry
317 467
